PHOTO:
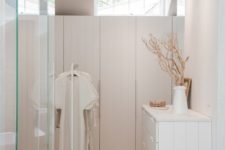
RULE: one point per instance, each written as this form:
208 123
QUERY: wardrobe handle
58 117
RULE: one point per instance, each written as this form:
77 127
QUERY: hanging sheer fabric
77 101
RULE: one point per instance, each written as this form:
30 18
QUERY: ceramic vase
179 100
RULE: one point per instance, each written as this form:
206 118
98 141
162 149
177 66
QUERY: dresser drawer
149 128
151 145
148 140
189 131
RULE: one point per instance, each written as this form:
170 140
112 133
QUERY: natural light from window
112 7
32 7
137 7
180 7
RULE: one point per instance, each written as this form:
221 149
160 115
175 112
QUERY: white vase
179 100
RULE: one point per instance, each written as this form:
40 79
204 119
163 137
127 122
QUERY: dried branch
169 56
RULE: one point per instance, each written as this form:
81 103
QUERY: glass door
8 74
26 79
36 74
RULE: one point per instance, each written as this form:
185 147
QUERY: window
137 7
181 7
33 6
112 7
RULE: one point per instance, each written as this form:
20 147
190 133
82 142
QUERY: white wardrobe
126 74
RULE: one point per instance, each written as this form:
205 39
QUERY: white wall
201 46
117 83
221 80
204 42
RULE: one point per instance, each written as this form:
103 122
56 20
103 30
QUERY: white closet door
117 83
56 41
152 82
81 44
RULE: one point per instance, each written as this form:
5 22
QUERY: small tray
161 108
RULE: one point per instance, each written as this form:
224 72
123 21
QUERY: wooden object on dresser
163 130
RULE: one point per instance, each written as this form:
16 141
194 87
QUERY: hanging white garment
61 89
88 96
91 119
84 93
60 92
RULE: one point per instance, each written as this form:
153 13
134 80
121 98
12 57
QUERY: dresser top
167 115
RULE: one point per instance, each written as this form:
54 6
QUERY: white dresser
163 130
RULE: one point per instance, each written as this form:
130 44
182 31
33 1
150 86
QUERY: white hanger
72 72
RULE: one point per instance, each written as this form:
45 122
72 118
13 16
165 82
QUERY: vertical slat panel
205 134
117 83
26 38
180 136
166 136
81 44
56 47
192 136
149 76
56 41
34 80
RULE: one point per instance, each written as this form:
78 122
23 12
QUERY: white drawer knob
152 139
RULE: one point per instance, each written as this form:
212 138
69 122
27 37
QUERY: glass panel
121 7
33 6
131 7
138 7
8 51
153 7
102 4
180 7
36 78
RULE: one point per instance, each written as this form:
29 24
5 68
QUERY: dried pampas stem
169 56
